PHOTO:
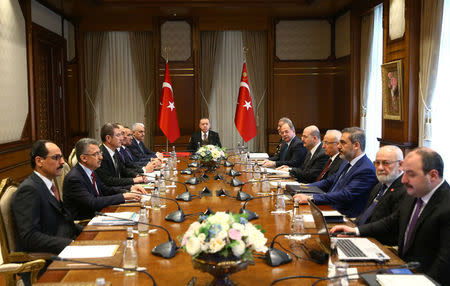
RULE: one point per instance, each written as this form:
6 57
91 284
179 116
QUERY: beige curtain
141 45
365 63
94 43
208 52
430 40
256 43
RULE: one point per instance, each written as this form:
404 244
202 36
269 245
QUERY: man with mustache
421 223
43 224
84 192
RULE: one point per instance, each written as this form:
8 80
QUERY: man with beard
421 223
386 196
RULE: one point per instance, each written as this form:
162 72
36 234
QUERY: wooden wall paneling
233 22
355 55
342 94
304 92
50 103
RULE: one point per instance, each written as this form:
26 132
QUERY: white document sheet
88 251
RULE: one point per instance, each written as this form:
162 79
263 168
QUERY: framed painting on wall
391 77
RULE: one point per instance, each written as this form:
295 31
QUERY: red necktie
324 169
55 192
93 183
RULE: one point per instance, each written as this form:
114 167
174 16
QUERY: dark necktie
129 154
283 153
116 164
121 154
204 139
341 175
412 224
140 147
55 192
93 183
325 169
307 159
368 212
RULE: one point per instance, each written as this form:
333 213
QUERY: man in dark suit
421 224
42 222
330 142
84 193
348 189
315 157
292 152
386 196
137 146
204 137
111 171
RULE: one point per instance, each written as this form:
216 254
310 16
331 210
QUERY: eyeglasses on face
384 163
55 157
96 154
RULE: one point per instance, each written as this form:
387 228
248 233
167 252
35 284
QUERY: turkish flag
168 121
245 118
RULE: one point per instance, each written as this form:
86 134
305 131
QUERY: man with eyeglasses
315 157
386 196
112 172
43 224
330 142
84 192
348 189
421 224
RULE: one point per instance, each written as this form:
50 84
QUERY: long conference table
179 270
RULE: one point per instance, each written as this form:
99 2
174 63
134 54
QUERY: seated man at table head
84 192
330 143
204 136
348 189
43 223
137 146
315 157
138 165
112 172
292 152
421 224
386 196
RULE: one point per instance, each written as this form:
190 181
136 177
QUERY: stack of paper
119 218
403 279
258 156
274 184
88 251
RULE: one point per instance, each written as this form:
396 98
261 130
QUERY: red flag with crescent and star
245 118
168 121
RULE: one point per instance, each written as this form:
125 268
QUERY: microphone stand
186 196
167 249
176 216
252 215
137 269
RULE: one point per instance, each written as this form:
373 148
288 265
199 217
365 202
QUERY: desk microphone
243 196
137 269
252 215
186 196
410 265
167 249
275 257
176 216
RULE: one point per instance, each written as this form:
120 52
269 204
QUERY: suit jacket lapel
410 203
87 179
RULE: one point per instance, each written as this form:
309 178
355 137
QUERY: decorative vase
219 267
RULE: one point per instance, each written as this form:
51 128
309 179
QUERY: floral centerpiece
222 244
209 153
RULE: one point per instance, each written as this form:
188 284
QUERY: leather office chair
14 262
58 181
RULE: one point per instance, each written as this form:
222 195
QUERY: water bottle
340 269
256 172
174 160
130 258
265 185
156 202
143 222
161 184
297 226
280 205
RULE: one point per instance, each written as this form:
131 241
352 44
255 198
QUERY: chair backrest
72 161
58 181
7 233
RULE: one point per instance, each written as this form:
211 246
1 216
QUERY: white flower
193 246
222 234
201 237
204 246
216 244
194 226
238 249
238 226
220 218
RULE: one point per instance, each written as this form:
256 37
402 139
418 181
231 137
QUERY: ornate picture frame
392 77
